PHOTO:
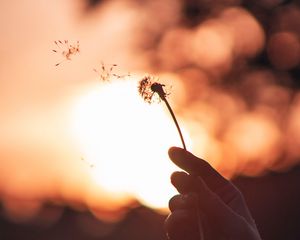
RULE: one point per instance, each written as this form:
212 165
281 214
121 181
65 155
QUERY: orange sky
40 152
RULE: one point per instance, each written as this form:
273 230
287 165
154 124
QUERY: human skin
208 201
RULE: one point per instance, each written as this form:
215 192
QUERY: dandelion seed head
147 88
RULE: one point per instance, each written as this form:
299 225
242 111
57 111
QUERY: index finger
197 166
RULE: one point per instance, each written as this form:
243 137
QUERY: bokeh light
233 65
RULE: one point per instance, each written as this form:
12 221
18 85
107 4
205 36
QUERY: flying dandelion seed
66 50
105 72
91 165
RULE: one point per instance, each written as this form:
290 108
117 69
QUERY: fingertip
178 174
175 176
177 202
181 181
173 151
178 177
178 155
183 159
183 201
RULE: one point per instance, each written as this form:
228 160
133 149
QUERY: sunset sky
68 137
57 122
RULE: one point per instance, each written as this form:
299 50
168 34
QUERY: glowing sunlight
125 141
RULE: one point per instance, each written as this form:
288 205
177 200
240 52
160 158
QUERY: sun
127 141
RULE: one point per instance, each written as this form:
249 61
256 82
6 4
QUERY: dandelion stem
200 224
147 89
175 121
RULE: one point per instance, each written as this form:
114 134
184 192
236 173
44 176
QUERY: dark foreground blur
273 200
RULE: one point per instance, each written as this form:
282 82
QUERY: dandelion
106 73
66 50
149 88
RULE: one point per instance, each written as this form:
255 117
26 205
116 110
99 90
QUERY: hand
207 201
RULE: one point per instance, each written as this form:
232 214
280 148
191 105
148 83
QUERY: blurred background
83 158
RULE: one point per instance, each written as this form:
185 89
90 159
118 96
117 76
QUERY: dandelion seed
91 165
66 50
148 88
106 73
